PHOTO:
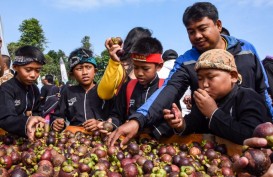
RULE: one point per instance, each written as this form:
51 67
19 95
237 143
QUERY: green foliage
86 43
32 34
52 65
12 47
102 62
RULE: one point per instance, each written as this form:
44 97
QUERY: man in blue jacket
203 28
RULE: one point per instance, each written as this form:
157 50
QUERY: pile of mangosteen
68 154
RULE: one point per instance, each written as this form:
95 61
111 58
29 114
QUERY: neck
88 87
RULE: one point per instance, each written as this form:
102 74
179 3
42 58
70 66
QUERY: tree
32 34
12 47
102 62
86 43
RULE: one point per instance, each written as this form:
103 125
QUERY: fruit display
69 154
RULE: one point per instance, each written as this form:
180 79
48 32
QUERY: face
145 72
205 34
84 74
28 74
217 83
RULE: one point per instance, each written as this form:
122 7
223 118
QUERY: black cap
169 55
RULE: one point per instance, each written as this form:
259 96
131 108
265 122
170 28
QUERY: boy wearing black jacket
222 107
147 61
19 98
80 105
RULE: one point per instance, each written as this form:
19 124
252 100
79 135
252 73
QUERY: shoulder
188 57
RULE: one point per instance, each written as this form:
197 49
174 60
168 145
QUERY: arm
114 73
111 80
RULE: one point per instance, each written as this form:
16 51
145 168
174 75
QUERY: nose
84 70
33 74
205 83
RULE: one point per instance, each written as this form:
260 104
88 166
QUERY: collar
230 95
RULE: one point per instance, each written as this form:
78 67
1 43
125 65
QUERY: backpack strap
129 90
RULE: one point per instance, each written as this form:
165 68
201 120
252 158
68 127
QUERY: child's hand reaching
174 117
91 125
58 124
106 127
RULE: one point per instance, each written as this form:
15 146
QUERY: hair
6 60
31 51
225 31
200 10
132 37
49 78
147 46
81 52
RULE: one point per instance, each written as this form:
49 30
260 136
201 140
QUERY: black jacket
139 96
77 106
15 101
235 119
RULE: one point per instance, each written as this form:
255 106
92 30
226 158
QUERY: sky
66 22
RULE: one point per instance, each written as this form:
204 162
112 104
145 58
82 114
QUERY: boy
19 98
222 107
80 105
147 61
203 27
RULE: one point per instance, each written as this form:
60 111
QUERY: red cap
152 58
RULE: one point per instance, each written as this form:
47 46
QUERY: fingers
113 137
255 142
240 164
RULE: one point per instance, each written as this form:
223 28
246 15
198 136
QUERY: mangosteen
18 172
222 148
130 170
108 126
259 162
133 148
148 166
263 130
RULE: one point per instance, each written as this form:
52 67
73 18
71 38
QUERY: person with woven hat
223 107
146 55
80 104
19 97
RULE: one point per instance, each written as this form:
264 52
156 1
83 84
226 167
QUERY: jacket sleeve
10 121
111 80
250 111
119 114
172 91
61 109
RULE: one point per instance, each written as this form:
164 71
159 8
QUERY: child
147 61
80 105
222 107
19 98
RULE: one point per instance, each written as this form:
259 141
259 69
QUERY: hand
91 125
204 102
101 128
58 124
113 50
128 130
32 122
174 117
187 101
240 164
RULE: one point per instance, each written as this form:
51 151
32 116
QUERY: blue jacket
184 75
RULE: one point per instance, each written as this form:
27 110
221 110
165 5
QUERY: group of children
220 104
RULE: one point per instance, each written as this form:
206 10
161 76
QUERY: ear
159 66
95 70
234 76
219 25
15 67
